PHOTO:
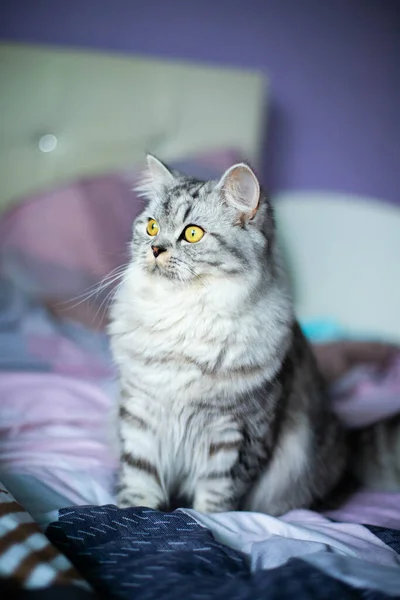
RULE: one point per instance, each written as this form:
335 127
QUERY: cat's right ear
155 177
240 188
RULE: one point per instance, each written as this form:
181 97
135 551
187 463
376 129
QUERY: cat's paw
206 506
132 500
201 507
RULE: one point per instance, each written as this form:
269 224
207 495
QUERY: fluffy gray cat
222 406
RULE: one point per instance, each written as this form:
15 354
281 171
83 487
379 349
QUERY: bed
81 143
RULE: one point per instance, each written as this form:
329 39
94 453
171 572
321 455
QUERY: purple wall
333 65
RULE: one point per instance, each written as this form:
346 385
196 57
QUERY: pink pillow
57 244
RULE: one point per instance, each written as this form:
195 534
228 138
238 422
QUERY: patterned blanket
103 552
28 560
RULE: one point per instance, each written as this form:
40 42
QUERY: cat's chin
159 272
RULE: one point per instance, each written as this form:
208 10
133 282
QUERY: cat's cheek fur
149 258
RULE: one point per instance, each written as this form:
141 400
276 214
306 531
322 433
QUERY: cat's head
194 229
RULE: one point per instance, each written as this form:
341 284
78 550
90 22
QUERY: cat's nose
157 250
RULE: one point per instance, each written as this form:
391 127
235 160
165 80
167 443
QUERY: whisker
94 290
198 277
105 303
108 299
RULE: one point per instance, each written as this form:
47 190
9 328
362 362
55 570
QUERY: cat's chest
194 326
174 343
192 344
185 318
188 313
183 437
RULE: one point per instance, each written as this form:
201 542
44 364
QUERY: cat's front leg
140 482
217 489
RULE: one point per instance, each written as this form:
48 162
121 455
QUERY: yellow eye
152 227
193 234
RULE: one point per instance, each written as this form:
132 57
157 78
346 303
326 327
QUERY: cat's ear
159 173
240 188
155 177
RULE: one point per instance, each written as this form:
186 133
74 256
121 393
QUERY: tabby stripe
232 249
166 204
136 389
131 498
227 270
142 465
219 474
187 212
222 409
194 191
175 359
135 496
222 494
178 207
215 506
123 488
232 271
219 264
211 263
224 447
133 419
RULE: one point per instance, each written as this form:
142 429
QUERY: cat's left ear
155 178
240 188
158 172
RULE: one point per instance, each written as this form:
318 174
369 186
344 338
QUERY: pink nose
157 250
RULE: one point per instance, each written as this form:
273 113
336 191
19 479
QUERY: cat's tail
375 455
373 463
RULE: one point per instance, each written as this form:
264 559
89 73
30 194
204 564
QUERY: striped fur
221 400
377 452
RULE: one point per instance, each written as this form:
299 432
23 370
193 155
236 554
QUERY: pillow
57 245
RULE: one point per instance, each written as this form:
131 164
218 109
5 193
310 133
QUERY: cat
222 406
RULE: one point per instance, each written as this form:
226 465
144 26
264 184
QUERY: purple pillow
57 244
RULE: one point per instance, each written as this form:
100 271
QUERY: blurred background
333 67
308 92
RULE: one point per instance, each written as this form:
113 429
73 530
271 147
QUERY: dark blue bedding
144 554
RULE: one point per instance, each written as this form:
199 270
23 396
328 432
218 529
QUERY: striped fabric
27 559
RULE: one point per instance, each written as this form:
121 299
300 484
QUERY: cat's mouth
169 267
158 270
171 274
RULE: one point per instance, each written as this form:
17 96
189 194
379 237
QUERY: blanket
28 561
144 554
147 555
